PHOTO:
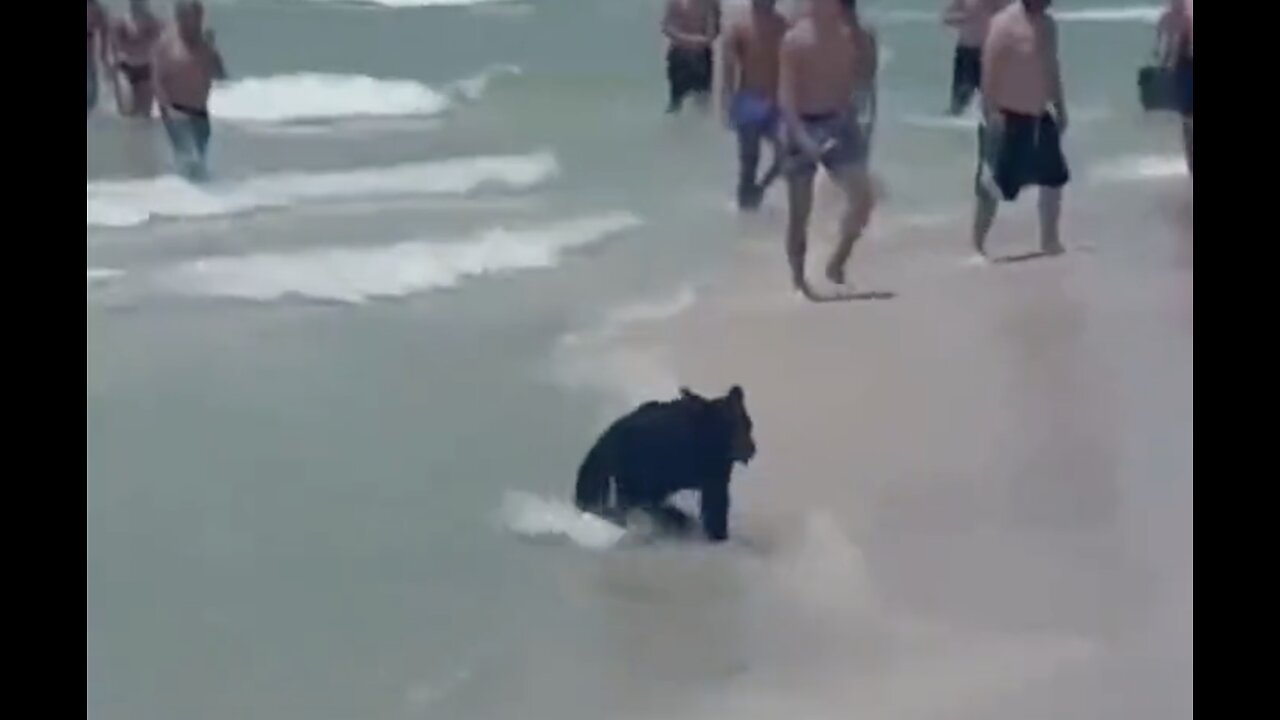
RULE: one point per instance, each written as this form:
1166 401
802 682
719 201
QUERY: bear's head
729 416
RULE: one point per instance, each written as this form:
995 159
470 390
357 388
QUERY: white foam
356 275
328 97
474 87
1138 168
323 96
96 276
1130 13
543 520
123 203
412 3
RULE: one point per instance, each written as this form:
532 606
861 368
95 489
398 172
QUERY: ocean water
336 397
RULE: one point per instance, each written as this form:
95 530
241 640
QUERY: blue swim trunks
754 113
188 130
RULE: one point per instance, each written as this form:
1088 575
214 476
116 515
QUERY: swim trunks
966 75
1027 151
1184 79
188 130
93 86
688 72
753 113
135 74
840 138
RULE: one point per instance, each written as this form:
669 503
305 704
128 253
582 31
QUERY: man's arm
1057 97
728 70
217 67
715 510
992 72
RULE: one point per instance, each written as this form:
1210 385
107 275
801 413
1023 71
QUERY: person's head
1036 7
763 5
189 17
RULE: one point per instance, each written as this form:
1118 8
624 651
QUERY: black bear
660 448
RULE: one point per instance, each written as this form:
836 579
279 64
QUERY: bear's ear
736 394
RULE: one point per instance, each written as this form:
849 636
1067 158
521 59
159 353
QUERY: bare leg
984 216
1050 211
799 204
124 99
856 184
775 169
1187 132
748 161
143 99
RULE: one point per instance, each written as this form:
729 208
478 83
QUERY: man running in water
186 62
132 39
749 94
691 27
824 64
95 45
1174 46
1024 115
970 19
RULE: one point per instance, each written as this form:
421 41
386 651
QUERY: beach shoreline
1007 447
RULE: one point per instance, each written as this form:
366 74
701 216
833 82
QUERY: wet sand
1005 450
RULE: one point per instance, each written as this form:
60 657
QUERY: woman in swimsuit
132 40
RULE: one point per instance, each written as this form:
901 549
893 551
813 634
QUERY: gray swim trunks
841 138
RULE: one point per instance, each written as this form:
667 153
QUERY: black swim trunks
688 72
1184 78
1027 151
135 74
966 76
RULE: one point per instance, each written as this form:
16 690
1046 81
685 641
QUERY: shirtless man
969 18
1174 47
822 74
95 45
131 40
1024 116
749 94
185 63
691 27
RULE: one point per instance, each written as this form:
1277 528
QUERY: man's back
822 65
1015 56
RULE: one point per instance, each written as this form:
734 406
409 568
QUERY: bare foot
835 272
1052 248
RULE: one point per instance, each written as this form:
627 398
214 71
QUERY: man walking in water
970 19
1024 115
185 63
749 94
133 37
1174 46
95 44
823 67
691 27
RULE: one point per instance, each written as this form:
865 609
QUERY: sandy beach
991 472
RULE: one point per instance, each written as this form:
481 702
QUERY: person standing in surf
1175 50
691 27
823 67
185 63
95 45
970 19
749 94
132 38
1024 116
